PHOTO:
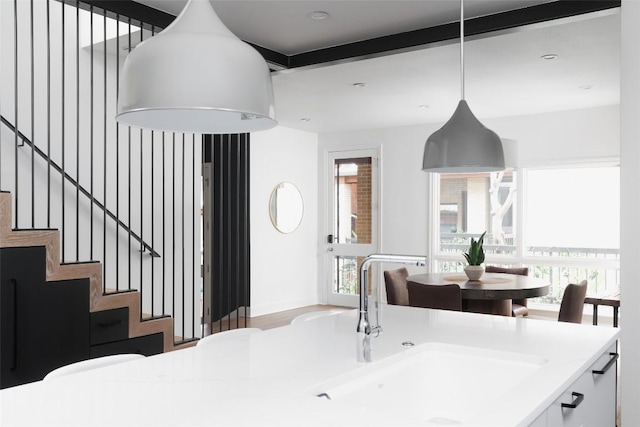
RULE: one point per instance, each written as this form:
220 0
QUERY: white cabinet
590 401
541 421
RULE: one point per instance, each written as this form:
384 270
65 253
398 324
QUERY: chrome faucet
365 331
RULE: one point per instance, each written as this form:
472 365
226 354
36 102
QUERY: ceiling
504 72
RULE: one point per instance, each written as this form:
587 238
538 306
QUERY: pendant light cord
462 49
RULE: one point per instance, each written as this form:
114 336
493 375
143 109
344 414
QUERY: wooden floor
269 321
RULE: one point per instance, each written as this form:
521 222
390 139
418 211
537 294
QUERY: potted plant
475 258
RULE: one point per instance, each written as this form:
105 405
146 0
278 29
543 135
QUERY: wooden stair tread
92 270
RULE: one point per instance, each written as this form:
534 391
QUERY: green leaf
475 255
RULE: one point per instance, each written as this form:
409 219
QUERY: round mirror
285 207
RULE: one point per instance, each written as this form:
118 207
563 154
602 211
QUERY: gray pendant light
463 144
196 76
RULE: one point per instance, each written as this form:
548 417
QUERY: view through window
573 217
570 224
471 204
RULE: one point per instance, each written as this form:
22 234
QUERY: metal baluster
104 153
33 210
247 254
15 106
164 228
141 204
153 217
229 237
129 190
91 100
117 157
153 220
182 191
77 130
221 256
236 238
173 230
62 130
193 233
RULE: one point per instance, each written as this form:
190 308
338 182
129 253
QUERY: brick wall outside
363 223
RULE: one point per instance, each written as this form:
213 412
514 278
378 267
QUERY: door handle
329 249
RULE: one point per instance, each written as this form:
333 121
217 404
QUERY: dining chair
225 335
395 282
305 317
572 304
86 365
443 297
518 305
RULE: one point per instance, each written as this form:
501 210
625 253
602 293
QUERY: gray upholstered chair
395 282
443 297
572 304
518 305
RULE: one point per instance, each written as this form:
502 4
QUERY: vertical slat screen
124 197
228 235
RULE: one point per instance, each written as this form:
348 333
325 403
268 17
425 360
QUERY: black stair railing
84 191
63 60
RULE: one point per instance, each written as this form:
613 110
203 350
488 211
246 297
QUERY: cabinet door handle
610 363
577 399
110 324
14 363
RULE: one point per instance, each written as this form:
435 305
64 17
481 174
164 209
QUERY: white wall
284 267
561 136
629 214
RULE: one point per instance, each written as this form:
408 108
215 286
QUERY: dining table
492 293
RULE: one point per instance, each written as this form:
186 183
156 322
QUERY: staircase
98 300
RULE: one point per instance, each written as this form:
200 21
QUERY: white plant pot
474 272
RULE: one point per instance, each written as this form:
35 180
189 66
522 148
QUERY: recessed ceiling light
586 87
318 15
549 56
305 119
423 106
359 84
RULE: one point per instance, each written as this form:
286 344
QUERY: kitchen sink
434 383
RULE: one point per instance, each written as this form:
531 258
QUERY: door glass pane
345 274
352 201
471 204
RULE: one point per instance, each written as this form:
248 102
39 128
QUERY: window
570 223
572 217
471 204
577 210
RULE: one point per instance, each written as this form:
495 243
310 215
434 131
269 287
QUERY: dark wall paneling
229 257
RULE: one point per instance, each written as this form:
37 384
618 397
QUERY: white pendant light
196 76
463 144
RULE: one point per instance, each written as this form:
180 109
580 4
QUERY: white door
352 221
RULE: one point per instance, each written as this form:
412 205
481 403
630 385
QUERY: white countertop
269 378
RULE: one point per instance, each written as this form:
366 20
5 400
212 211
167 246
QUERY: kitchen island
444 368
